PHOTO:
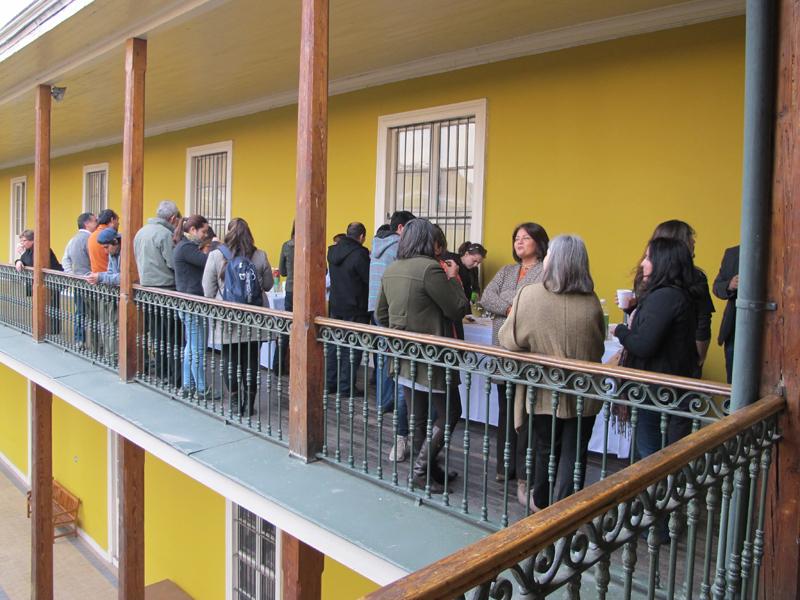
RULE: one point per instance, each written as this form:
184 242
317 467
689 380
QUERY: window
430 162
208 184
254 556
19 211
95 188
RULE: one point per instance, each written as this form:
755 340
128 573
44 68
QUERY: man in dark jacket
726 287
348 265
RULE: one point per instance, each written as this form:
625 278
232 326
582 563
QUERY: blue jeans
80 317
648 431
194 353
386 401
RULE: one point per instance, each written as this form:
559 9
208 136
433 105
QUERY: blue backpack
241 280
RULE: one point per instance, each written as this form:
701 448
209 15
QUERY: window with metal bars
254 546
19 210
208 184
95 188
433 173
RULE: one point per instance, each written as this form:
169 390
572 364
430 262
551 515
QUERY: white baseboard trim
23 478
100 552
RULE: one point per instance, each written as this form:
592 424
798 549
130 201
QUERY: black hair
673 229
672 265
383 228
472 248
539 235
105 216
417 239
84 218
439 239
399 217
355 230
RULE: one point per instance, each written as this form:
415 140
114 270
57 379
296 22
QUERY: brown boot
429 452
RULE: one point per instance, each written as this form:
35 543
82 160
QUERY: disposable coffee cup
624 298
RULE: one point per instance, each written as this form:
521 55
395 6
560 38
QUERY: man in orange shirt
98 256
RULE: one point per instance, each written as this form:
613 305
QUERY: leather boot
429 451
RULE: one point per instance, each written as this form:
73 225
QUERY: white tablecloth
479 332
619 444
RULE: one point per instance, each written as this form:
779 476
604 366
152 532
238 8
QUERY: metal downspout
759 111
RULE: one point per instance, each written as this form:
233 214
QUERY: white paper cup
624 298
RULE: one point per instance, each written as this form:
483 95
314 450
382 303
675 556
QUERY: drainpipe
759 107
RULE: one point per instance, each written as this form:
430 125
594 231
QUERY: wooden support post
41 493
41 211
781 367
301 567
132 199
305 398
131 525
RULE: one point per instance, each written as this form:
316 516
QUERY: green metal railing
82 318
473 474
16 305
228 359
588 545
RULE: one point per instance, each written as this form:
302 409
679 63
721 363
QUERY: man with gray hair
153 248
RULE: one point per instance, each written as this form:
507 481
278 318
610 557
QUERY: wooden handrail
700 385
479 562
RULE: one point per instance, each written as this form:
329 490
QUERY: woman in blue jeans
661 336
190 262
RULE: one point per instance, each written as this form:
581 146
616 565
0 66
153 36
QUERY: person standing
529 247
384 253
726 287
661 336
241 345
280 362
76 261
109 239
190 263
154 250
26 260
348 264
418 295
561 316
98 256
469 257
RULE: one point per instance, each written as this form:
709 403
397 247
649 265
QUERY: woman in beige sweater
561 316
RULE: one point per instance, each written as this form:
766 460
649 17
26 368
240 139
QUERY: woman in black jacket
190 262
661 336
704 306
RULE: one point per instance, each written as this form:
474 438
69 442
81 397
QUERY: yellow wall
14 423
604 140
339 582
80 463
184 532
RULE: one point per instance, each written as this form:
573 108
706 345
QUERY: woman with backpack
238 272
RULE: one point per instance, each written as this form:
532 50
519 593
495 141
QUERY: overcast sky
10 9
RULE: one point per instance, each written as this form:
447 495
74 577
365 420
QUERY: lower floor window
254 556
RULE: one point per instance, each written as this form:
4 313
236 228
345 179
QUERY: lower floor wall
187 528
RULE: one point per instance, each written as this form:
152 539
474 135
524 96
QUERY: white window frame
194 151
230 551
96 168
472 108
12 216
113 489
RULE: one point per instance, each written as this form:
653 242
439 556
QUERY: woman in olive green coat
418 295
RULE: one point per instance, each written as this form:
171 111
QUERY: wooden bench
65 510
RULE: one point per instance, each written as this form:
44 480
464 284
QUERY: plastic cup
624 298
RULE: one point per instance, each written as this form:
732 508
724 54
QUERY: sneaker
400 449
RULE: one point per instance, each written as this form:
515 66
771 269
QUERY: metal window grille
96 186
433 171
209 193
254 557
19 203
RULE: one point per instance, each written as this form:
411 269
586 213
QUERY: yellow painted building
604 140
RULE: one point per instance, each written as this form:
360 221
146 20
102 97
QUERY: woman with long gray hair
559 316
